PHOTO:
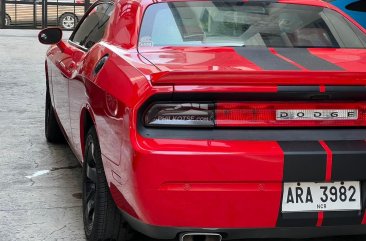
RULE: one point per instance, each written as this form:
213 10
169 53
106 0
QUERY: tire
102 219
68 21
7 20
52 129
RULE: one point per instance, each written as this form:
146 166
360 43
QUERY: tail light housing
180 115
256 114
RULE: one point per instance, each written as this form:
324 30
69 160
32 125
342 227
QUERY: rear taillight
283 114
181 115
256 114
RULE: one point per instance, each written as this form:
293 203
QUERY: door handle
100 64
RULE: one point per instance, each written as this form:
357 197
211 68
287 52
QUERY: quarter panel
111 94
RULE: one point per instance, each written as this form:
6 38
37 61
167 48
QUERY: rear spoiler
259 78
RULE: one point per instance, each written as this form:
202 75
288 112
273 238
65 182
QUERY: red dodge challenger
210 120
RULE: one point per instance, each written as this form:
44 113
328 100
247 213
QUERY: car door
89 32
60 71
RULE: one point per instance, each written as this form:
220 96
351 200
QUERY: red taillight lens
284 114
256 114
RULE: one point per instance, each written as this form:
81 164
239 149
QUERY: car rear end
263 133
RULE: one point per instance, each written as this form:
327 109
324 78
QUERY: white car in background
63 13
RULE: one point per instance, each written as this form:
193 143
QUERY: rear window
260 24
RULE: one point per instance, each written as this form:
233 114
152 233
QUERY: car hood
237 65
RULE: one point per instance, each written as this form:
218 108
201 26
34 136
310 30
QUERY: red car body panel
197 178
187 66
178 182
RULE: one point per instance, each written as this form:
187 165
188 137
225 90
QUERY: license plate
313 197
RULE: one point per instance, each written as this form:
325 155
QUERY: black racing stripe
263 58
281 95
347 89
304 58
347 218
342 218
304 161
316 88
298 219
349 164
349 160
288 88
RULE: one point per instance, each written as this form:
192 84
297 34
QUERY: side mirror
50 36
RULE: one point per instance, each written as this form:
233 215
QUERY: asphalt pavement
40 183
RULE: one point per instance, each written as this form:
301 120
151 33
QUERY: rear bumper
159 232
227 184
235 187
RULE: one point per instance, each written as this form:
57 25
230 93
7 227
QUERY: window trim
78 46
70 40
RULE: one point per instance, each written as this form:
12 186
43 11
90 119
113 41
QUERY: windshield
262 24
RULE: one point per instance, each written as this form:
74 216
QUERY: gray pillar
2 13
86 6
44 14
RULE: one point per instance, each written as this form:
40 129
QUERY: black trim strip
305 161
164 232
288 88
304 58
263 58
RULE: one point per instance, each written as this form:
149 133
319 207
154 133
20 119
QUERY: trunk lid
256 66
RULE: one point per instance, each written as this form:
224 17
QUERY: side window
91 30
348 35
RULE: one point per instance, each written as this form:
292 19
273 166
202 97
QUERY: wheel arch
86 122
48 82
46 73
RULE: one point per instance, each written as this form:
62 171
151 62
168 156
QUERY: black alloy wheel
102 219
90 186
